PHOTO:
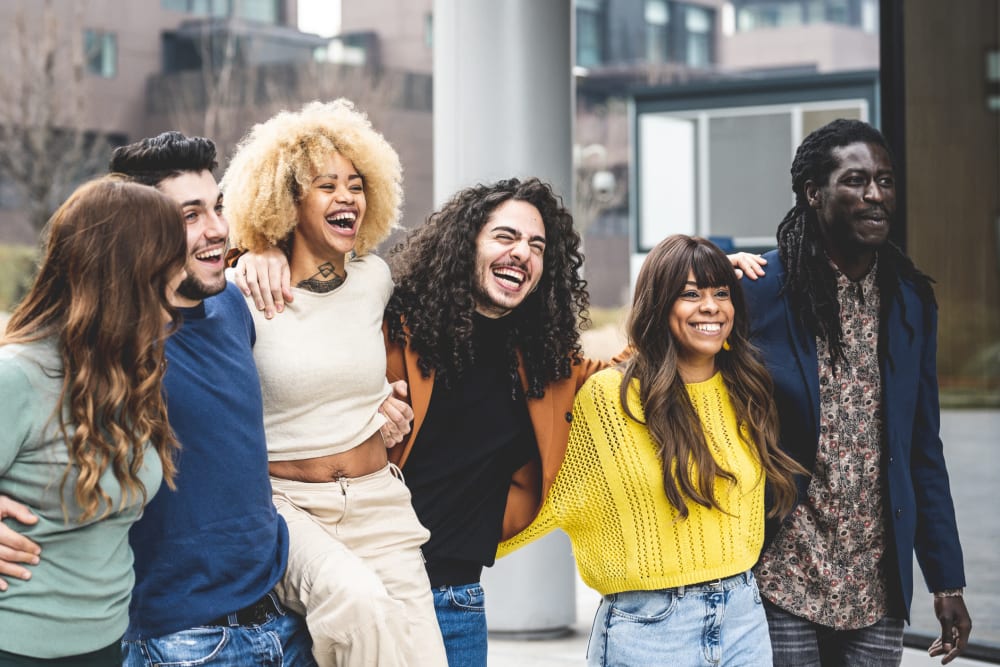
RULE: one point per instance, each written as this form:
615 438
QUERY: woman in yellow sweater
662 487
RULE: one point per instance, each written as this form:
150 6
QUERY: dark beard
195 290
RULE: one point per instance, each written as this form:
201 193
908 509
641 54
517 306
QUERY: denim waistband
724 584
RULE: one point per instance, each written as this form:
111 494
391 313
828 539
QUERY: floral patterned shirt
825 562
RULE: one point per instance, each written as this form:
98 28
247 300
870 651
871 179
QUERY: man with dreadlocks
848 326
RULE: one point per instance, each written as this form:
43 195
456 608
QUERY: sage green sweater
77 598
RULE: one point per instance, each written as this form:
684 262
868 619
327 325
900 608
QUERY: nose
709 304
344 195
520 250
216 225
873 192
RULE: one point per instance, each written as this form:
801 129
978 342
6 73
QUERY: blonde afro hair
276 161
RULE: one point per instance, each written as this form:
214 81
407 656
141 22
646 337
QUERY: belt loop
680 591
232 620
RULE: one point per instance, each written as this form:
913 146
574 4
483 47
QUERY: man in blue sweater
207 555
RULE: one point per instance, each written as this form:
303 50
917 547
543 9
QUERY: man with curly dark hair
484 326
848 328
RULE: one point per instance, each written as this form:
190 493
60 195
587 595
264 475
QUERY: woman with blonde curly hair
323 186
85 440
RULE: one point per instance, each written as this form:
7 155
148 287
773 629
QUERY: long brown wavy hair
110 253
670 416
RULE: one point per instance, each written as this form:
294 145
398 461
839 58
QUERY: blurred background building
687 114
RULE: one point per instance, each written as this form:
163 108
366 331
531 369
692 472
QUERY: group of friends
309 458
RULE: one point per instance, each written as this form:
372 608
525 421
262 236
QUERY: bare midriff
368 457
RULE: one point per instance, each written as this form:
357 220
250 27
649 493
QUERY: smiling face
701 320
207 232
330 213
510 249
856 205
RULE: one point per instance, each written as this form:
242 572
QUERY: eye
538 248
887 181
219 208
690 294
357 188
504 237
190 216
854 180
722 293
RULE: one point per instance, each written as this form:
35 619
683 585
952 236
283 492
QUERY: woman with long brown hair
85 441
662 490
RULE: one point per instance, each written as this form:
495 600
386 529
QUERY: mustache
874 212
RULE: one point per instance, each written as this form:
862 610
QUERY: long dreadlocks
811 282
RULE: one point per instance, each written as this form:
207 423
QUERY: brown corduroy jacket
550 417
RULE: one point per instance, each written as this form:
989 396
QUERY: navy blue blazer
920 512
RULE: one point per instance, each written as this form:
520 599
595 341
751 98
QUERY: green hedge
17 268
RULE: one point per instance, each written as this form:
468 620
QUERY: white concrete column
503 107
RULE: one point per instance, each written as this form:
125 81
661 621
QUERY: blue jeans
282 640
462 616
714 623
798 642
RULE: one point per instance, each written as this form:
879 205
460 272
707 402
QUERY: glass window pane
745 153
667 169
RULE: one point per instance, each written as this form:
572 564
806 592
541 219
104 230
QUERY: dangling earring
726 346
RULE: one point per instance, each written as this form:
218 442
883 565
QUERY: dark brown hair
670 416
111 250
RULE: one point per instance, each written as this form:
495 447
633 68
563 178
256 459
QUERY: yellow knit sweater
608 496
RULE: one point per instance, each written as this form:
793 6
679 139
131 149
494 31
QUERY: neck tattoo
326 279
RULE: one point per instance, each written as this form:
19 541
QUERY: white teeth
708 327
509 274
210 254
347 215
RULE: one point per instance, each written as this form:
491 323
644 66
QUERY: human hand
267 278
747 264
14 547
955 628
398 415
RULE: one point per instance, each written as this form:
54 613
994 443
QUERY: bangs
711 267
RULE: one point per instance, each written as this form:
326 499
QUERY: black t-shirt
475 435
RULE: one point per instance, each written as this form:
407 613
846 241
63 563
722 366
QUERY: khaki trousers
356 573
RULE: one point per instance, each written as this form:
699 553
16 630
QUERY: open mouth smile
510 277
211 255
342 219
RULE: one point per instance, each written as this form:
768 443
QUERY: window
698 29
657 31
589 33
100 51
263 11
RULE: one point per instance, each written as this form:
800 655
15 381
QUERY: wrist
949 593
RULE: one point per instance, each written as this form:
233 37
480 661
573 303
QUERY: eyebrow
195 202
334 177
514 232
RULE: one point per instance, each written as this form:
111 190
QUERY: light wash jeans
461 614
282 640
714 623
801 643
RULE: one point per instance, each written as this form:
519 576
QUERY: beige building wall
401 27
827 47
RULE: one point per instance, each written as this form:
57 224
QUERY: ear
813 194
